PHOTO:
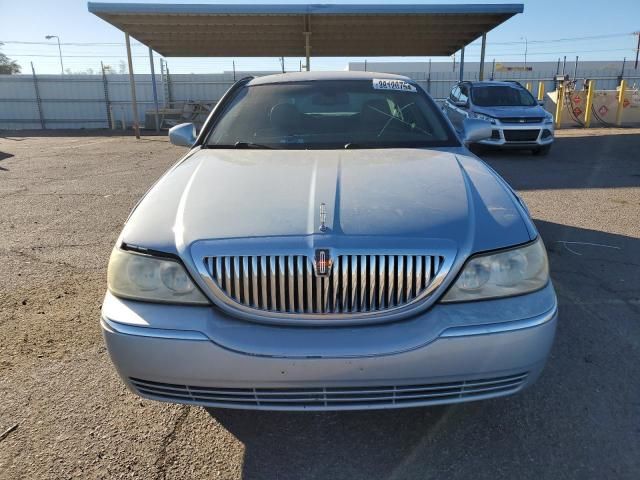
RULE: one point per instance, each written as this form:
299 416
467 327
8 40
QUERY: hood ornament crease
323 217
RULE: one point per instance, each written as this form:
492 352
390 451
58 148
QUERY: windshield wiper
239 145
349 145
251 145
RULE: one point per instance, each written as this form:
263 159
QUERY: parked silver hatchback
517 119
329 243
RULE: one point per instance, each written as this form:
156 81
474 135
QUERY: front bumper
520 135
453 353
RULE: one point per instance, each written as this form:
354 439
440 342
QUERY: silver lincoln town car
329 243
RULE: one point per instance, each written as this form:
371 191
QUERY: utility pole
637 50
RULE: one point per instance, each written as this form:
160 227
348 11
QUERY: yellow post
623 86
559 102
589 104
541 91
528 86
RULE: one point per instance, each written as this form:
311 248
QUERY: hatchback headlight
503 274
548 117
486 118
152 279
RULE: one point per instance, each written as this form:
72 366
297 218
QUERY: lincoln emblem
323 262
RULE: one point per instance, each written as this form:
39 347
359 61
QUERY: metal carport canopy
258 30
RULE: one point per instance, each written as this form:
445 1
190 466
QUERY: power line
71 44
567 39
117 44
561 52
98 55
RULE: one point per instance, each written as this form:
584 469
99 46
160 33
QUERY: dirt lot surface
63 201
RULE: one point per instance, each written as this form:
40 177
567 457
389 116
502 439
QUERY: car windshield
501 96
331 114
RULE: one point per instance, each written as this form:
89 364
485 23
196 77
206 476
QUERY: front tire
541 151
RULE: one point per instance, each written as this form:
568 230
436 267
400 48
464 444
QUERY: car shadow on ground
604 161
544 432
4 156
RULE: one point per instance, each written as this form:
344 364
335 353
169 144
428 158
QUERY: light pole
526 49
49 37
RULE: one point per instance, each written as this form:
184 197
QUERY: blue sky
543 22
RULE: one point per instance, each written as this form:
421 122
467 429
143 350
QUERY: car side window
453 96
464 94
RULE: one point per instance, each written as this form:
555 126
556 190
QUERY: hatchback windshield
501 96
331 114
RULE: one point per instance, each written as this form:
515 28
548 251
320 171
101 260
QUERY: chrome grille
333 398
357 283
521 119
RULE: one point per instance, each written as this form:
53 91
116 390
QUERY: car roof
494 83
320 76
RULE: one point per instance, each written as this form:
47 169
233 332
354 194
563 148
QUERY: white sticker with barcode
386 84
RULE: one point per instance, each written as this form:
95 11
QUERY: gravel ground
63 200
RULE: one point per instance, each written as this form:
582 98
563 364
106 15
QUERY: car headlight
502 274
548 118
152 279
483 117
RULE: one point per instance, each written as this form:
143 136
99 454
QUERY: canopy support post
307 41
155 90
132 82
482 51
461 63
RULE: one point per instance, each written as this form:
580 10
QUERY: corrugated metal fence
88 101
91 101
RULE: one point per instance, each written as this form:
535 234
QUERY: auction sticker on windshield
401 85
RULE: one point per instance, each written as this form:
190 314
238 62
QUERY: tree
88 71
8 66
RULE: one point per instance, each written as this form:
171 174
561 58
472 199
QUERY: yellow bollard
541 91
559 102
621 93
589 104
528 86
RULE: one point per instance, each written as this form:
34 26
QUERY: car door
462 107
450 104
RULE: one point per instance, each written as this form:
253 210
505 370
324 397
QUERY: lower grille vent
331 397
521 135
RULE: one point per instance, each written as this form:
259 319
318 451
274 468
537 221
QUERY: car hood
391 193
503 112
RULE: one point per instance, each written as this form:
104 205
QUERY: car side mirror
475 130
183 135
